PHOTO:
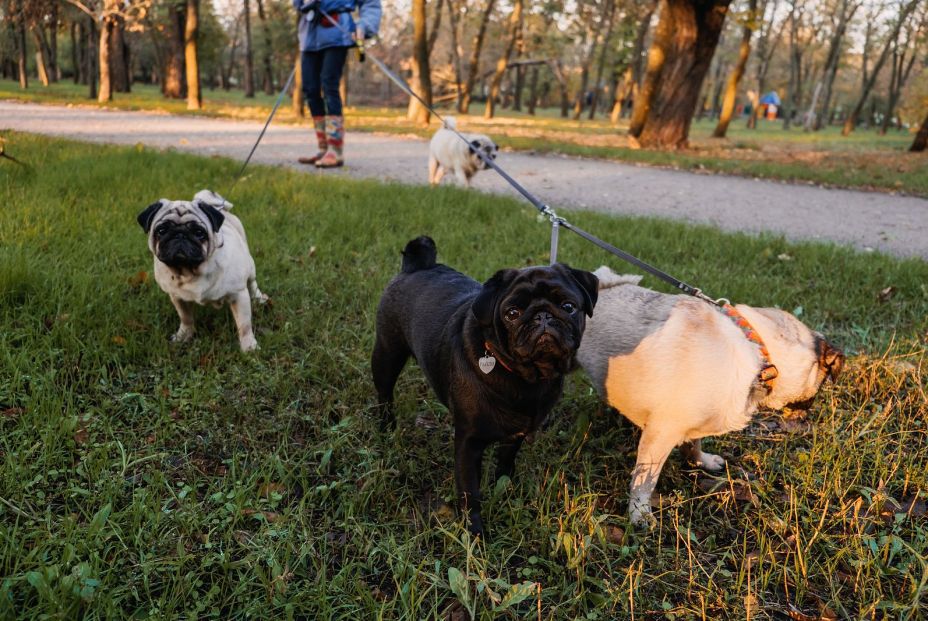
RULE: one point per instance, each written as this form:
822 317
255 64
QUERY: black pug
495 354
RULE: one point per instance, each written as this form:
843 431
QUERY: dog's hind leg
387 362
256 293
436 172
461 176
653 449
693 454
506 458
241 312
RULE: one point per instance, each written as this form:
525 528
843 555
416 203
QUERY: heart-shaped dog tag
486 364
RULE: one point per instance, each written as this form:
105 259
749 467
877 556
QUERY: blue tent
770 98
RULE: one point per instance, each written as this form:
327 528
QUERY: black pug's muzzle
181 246
545 342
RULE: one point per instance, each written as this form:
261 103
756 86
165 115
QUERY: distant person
324 48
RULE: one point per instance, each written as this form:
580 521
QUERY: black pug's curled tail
419 254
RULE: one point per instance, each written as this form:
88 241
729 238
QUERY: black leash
270 117
556 221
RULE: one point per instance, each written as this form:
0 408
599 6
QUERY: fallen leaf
270 488
312 252
119 340
614 534
886 294
139 279
13 412
81 436
270 516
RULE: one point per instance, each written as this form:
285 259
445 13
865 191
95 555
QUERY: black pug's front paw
475 525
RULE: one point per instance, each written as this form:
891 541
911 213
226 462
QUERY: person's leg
332 66
311 69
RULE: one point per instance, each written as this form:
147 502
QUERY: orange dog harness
768 371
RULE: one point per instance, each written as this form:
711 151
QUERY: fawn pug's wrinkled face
182 234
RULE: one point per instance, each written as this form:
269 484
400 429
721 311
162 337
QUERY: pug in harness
682 369
448 153
201 257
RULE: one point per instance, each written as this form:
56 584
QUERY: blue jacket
315 36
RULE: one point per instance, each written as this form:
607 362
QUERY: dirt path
868 221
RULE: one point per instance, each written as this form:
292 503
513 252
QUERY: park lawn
862 160
147 480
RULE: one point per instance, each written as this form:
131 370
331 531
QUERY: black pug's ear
484 305
148 216
214 215
589 286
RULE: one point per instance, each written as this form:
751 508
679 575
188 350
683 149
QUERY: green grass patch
144 480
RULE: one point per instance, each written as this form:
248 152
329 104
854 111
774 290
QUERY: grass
862 160
144 480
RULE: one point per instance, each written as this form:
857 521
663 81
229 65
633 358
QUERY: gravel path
896 225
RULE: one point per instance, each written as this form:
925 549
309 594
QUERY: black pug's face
536 317
485 146
181 234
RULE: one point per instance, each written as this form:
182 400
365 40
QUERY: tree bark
191 56
456 54
436 26
106 32
657 56
731 89
633 73
119 62
795 67
173 85
558 72
585 73
422 78
249 55
268 50
20 36
685 41
851 121
297 95
533 91
474 67
91 57
41 64
921 138
515 22
602 59
76 35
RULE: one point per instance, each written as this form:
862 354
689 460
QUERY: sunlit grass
144 480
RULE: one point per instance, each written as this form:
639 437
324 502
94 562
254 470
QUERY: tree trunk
436 26
515 22
92 57
602 60
921 138
268 51
20 36
731 89
41 65
422 78
474 67
685 41
657 56
456 53
846 13
106 32
634 72
901 71
851 121
119 62
173 85
53 64
533 91
76 35
249 55
585 75
226 72
191 57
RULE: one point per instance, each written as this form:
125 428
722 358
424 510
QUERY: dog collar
768 371
489 353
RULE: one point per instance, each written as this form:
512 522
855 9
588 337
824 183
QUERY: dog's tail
212 199
450 123
419 254
608 278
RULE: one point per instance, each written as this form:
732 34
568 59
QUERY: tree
249 55
744 52
268 51
474 66
107 24
634 71
851 122
422 78
684 42
191 58
764 54
515 22
841 16
174 84
903 59
921 138
18 24
456 53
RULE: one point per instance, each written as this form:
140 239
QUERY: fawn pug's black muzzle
181 246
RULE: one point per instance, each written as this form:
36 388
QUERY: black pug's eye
513 313
569 307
